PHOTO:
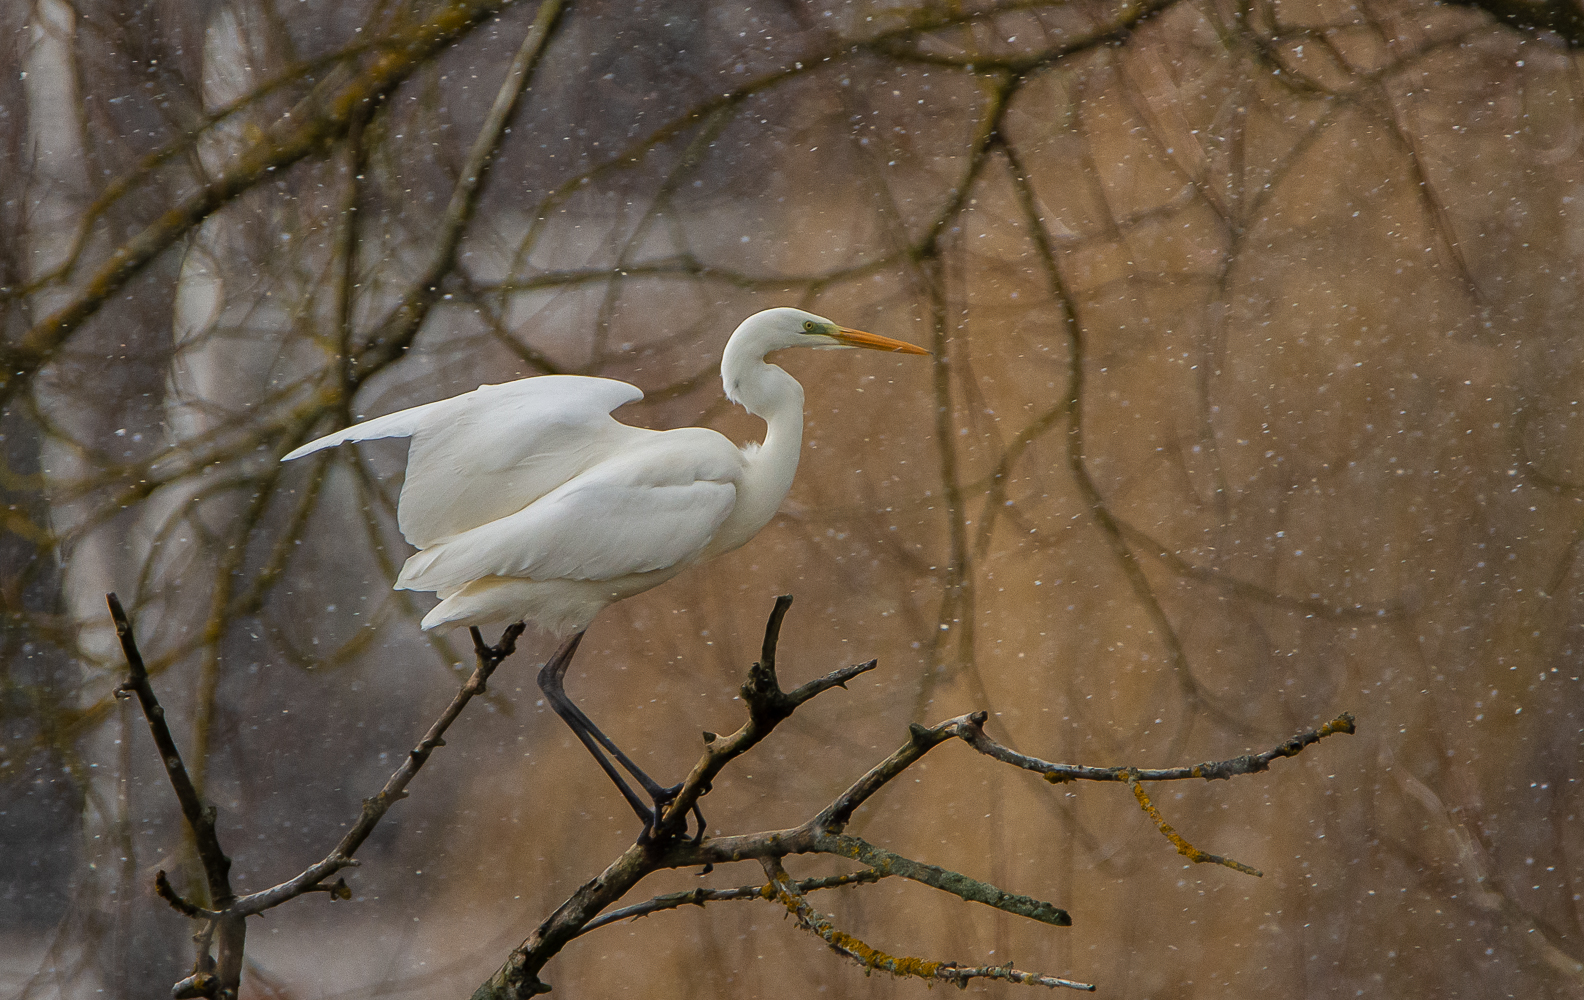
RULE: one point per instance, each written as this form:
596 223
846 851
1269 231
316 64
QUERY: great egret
527 501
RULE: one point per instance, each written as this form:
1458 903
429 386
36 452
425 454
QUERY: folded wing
653 506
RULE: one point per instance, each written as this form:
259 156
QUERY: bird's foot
664 797
698 838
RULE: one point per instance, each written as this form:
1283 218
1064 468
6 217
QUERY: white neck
771 394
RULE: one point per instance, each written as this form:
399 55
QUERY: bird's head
776 329
749 381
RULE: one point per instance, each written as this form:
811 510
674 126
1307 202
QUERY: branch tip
772 634
508 643
199 984
118 614
164 890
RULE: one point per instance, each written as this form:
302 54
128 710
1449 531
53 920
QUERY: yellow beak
874 342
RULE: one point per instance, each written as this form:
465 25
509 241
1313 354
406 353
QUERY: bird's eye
808 325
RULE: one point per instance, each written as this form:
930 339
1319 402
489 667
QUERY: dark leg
550 682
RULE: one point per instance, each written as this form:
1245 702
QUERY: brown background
1255 399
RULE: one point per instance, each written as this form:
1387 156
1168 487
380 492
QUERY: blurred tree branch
220 977
322 117
1565 18
395 334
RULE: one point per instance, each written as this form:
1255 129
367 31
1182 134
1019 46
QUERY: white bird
527 501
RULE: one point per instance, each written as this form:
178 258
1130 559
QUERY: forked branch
228 913
790 895
667 846
767 705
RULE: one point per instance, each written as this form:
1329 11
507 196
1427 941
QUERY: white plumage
529 501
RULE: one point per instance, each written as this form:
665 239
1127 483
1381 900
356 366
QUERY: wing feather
402 423
486 454
507 448
652 507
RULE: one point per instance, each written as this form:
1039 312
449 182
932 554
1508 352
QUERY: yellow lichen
872 959
1177 840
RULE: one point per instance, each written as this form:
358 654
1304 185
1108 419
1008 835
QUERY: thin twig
1178 841
1214 770
375 808
164 890
200 818
789 895
396 333
921 740
700 896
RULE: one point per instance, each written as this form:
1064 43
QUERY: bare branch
767 706
375 808
834 817
1184 848
788 894
200 818
164 890
974 891
229 918
700 896
974 736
